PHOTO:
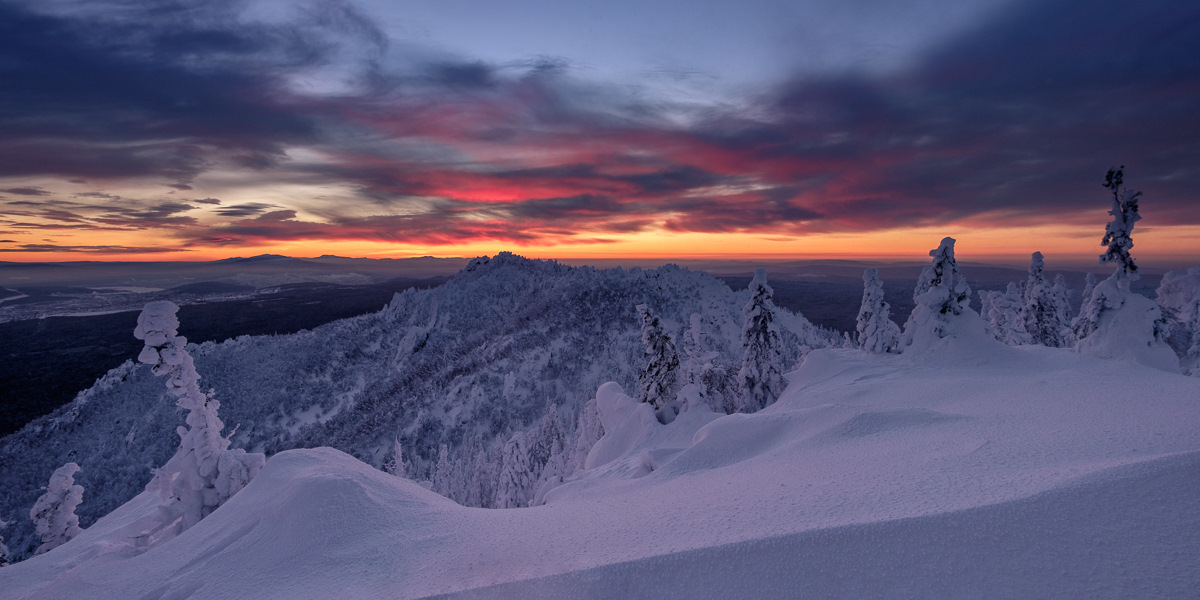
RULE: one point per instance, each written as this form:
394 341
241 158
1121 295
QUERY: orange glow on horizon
1062 245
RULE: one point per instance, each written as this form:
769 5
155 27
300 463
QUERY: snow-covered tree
941 294
395 463
553 474
587 432
1089 285
205 471
761 376
442 473
481 488
1060 296
658 379
1118 240
1193 354
876 330
1115 322
515 480
3 548
542 441
54 512
1043 309
1002 311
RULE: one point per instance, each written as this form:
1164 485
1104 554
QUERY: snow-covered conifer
3 548
1043 310
204 472
761 376
658 379
876 331
442 475
395 463
941 294
1115 322
481 488
1118 240
1193 353
1089 285
54 512
1004 317
587 432
553 475
515 480
551 432
693 350
1060 297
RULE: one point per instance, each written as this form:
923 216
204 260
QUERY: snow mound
1127 329
1038 473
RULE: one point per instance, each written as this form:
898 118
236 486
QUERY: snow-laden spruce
1118 234
1044 308
658 379
761 375
54 513
205 471
3 548
941 296
1114 321
1002 311
876 330
1178 295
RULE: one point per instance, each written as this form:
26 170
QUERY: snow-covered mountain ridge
464 365
969 469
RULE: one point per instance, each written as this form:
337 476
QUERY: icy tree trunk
54 513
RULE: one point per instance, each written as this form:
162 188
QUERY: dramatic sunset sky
195 130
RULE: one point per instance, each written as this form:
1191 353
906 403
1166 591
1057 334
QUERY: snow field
967 469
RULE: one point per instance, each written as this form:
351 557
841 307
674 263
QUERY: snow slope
464 364
966 470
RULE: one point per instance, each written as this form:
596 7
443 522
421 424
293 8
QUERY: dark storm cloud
26 191
166 214
244 210
1022 115
1018 117
146 89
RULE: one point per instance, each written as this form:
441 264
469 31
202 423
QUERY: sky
180 130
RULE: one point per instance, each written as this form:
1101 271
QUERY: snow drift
1025 472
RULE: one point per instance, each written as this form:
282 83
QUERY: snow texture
1037 473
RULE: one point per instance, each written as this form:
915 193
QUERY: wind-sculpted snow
1039 473
464 364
